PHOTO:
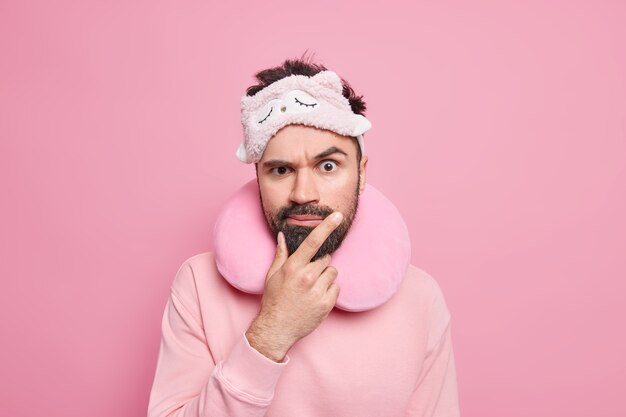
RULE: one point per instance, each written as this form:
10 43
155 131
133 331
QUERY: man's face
304 175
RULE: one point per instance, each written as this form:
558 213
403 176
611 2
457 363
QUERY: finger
280 256
309 247
312 271
318 266
333 291
326 279
331 295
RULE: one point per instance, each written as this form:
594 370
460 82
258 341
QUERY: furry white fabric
297 99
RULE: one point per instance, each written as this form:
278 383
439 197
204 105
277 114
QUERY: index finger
309 246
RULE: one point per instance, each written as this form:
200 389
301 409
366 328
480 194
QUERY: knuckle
328 304
313 242
288 268
307 278
323 261
317 292
332 271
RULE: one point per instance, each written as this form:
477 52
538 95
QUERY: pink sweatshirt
395 360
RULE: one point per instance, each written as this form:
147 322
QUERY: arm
188 382
298 295
436 392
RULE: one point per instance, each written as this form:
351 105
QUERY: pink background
499 132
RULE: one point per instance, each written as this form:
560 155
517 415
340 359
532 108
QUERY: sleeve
436 392
188 382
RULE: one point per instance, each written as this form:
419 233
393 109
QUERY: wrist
268 343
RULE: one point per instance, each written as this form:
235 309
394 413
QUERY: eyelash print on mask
305 104
268 115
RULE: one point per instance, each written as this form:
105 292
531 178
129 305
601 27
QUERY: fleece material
297 99
373 257
392 361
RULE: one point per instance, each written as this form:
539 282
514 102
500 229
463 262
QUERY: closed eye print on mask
304 104
294 102
268 115
297 101
268 110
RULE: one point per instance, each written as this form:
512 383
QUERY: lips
304 220
304 217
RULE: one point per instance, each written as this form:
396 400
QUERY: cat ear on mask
329 79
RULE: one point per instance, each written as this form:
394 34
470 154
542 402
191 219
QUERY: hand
299 294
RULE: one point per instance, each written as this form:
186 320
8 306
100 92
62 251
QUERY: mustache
304 209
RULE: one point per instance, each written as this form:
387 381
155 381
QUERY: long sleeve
436 392
188 382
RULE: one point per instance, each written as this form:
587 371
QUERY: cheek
338 193
272 197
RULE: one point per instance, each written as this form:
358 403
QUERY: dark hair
306 66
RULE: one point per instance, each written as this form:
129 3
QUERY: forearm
188 384
268 341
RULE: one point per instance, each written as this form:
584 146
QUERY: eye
328 166
282 170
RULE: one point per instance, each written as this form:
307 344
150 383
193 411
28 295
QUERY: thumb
280 257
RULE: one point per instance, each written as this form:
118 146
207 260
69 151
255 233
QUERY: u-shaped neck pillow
372 260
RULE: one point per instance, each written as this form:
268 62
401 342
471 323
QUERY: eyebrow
329 151
272 163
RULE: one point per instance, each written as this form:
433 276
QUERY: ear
363 164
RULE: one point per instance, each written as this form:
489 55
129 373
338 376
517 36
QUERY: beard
296 234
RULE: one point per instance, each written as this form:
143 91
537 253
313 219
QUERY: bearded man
308 305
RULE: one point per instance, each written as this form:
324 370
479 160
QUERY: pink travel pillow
372 260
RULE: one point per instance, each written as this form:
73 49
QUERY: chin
295 235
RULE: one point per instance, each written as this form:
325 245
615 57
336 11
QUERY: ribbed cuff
252 372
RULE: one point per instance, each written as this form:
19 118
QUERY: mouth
304 220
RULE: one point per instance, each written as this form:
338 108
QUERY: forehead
295 141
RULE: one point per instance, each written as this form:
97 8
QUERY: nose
304 189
